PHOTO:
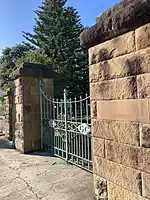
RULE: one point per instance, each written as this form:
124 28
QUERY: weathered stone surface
143 86
127 65
32 70
126 110
19 90
123 154
118 193
144 158
98 147
19 144
122 66
142 37
18 82
125 177
19 112
100 186
19 99
142 59
123 88
28 113
112 48
31 87
123 17
122 132
145 135
146 185
93 109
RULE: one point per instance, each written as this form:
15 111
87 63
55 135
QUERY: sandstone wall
120 101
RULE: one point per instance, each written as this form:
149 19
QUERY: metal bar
53 108
61 118
65 107
41 114
82 139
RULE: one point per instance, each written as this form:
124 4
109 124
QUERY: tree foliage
56 34
7 62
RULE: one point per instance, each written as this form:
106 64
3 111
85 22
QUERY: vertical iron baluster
70 132
53 105
51 128
88 137
61 121
57 132
75 135
82 138
47 119
41 113
65 107
70 110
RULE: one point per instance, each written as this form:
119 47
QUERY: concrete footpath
39 176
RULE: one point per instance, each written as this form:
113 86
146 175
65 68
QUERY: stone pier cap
32 70
121 18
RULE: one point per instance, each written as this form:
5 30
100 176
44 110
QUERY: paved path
33 177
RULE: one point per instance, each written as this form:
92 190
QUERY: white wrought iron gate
66 128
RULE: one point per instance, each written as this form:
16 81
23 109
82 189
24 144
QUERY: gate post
119 59
27 104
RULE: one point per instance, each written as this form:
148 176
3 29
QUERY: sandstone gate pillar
119 59
26 105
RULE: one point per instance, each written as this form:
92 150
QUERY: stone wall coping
121 18
33 70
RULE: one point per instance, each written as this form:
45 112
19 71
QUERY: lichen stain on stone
133 87
101 189
106 70
146 137
104 54
133 66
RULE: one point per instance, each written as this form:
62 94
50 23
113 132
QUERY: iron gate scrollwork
66 128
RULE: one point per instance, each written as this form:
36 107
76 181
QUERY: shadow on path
4 143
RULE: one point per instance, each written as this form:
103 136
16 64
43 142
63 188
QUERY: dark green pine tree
56 33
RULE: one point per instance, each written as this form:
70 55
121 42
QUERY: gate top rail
62 100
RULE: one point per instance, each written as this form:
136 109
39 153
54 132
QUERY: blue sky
17 16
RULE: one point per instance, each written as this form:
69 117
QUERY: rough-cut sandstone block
28 113
145 135
118 193
144 160
19 99
142 37
119 67
126 110
100 188
123 132
18 82
18 90
125 177
122 154
123 17
127 65
98 147
142 59
112 48
123 88
146 185
32 99
143 86
93 109
19 113
19 144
